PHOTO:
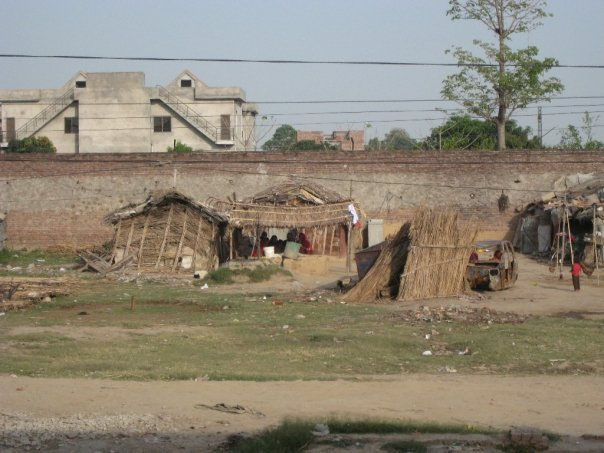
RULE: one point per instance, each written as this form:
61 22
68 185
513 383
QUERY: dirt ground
104 415
565 404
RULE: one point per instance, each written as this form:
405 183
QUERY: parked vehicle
492 266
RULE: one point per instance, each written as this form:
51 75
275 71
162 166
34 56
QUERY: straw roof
306 192
243 215
162 198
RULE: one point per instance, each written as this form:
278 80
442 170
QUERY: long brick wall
61 200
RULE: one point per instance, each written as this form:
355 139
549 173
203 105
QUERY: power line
281 61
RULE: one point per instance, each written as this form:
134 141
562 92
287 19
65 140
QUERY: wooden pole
333 232
324 241
595 240
231 233
131 303
563 253
349 248
163 242
140 250
196 242
182 238
570 242
117 238
129 241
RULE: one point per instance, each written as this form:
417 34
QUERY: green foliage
32 145
180 147
464 132
283 139
23 258
504 80
225 276
396 139
572 137
290 436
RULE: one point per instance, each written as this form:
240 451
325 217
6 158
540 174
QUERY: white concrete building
114 112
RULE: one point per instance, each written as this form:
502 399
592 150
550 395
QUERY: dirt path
565 404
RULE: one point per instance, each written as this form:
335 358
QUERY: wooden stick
333 232
163 243
140 250
129 241
232 232
349 249
572 255
131 303
595 241
117 238
314 238
324 241
563 246
182 238
196 242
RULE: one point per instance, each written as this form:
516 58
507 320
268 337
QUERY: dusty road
564 404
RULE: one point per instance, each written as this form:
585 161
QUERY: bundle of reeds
438 256
384 275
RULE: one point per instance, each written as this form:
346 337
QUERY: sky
390 30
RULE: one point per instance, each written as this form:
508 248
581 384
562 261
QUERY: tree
284 138
397 138
504 80
464 132
572 139
32 145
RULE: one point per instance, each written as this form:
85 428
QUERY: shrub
32 145
180 147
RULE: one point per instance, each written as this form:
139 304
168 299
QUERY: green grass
257 274
183 333
22 258
295 435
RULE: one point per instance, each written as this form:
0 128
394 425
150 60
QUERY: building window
185 83
225 127
80 84
71 125
162 124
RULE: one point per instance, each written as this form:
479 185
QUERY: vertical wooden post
182 238
563 254
324 241
129 241
163 243
314 238
231 233
349 248
333 232
131 303
140 250
117 238
572 254
195 246
596 254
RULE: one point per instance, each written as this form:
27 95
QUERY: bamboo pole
563 246
182 238
140 250
314 238
231 233
163 242
196 242
595 240
333 232
117 238
129 241
324 241
349 248
570 242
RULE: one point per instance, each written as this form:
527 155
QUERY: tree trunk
500 135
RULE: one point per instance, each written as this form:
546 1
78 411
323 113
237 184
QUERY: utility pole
540 126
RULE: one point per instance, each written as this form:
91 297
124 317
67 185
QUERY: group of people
279 244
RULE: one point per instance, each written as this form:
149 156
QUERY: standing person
576 274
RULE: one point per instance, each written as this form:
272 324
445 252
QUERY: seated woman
305 245
263 243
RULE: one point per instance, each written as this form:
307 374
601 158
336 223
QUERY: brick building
342 140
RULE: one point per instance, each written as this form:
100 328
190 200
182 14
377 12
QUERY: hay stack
385 272
438 256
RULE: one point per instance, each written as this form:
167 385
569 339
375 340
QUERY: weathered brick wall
61 200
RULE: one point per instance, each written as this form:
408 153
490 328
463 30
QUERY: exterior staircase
189 115
41 119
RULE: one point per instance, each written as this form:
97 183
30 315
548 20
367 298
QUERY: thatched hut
323 215
168 232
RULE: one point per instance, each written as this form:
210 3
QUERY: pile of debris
18 293
426 259
469 315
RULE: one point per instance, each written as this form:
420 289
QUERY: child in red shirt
576 273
